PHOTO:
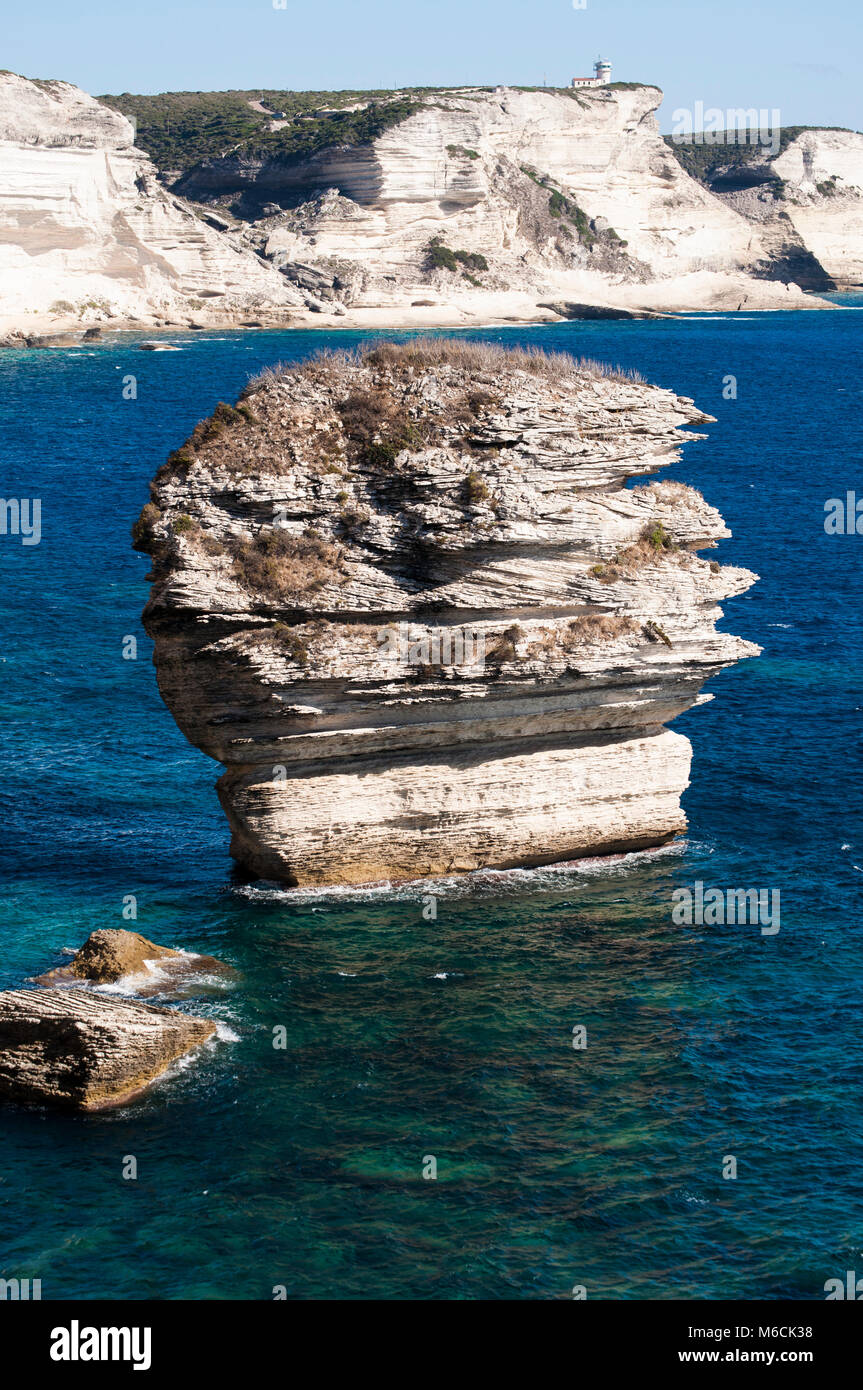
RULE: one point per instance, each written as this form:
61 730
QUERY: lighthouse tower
601 75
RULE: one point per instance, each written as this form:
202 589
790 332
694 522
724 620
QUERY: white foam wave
480 882
151 975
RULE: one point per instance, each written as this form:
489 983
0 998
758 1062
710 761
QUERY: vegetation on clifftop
180 129
284 568
703 161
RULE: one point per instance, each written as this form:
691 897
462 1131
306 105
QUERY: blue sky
799 56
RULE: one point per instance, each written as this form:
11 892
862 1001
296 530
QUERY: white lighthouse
601 75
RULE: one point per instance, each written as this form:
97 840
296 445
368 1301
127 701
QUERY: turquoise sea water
405 1038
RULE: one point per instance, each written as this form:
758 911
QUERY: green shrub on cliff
307 136
472 260
440 257
657 537
654 544
701 161
142 530
560 206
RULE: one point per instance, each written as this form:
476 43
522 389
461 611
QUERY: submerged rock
408 601
87 1051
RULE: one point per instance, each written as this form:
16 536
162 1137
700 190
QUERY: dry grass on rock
420 354
653 546
278 566
595 629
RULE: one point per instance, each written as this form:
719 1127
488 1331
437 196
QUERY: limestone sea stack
407 598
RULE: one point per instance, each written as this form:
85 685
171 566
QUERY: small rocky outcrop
407 599
107 955
85 1051
111 955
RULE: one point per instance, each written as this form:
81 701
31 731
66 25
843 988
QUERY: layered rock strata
407 599
85 1051
474 205
808 203
88 233
569 197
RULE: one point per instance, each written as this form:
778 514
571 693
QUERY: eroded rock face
805 205
88 232
87 1051
409 603
822 173
569 196
557 198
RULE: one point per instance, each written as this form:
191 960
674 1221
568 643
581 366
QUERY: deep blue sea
408 1039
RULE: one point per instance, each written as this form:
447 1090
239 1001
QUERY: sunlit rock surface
81 1050
88 233
409 603
556 200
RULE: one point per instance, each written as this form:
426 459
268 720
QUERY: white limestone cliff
477 169
822 171
89 235
806 204
566 201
